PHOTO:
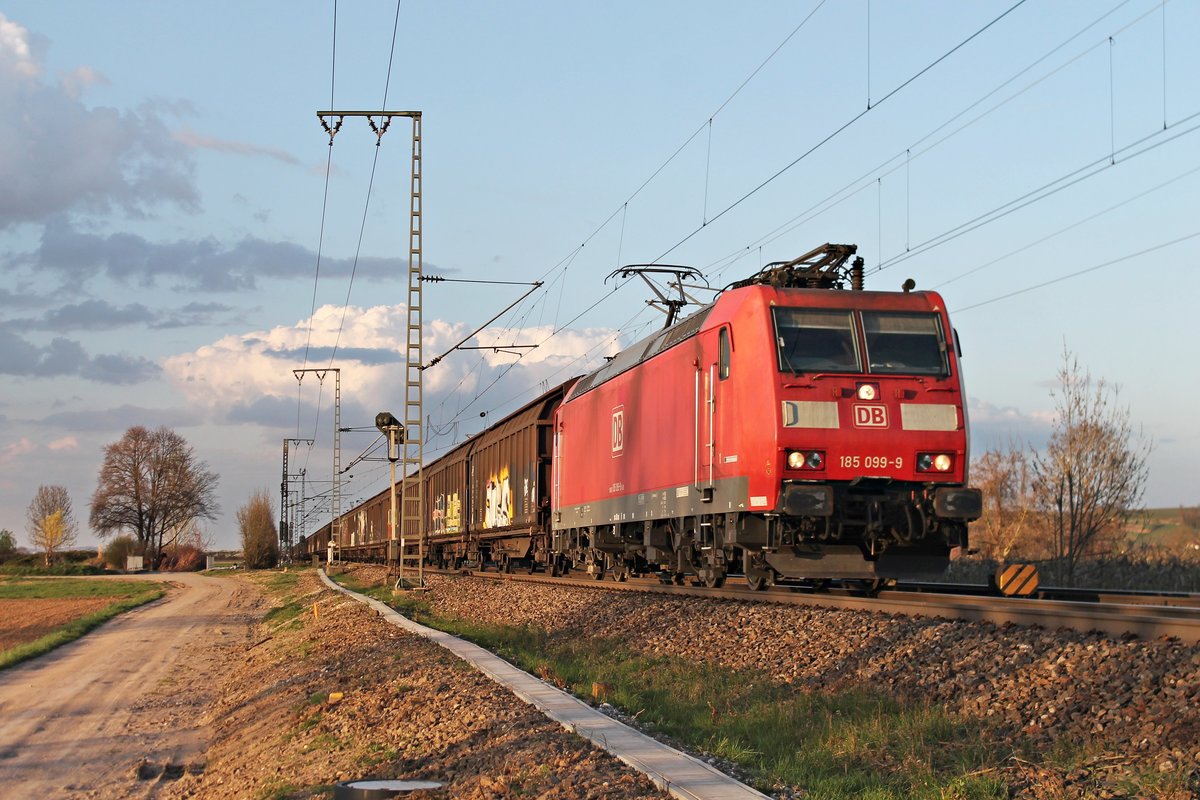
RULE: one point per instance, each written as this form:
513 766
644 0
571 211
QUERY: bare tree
260 539
1093 473
1009 527
152 485
50 521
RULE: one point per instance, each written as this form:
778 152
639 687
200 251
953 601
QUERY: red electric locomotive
790 429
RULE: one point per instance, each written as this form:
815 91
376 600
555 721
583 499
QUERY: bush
118 549
183 558
260 538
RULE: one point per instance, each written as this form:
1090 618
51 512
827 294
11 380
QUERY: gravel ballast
1133 704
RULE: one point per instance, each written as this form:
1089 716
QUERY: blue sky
164 172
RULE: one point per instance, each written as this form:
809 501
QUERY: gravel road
117 713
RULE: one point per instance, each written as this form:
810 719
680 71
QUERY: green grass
127 595
42 589
854 743
54 569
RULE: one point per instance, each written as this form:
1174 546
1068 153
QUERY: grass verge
856 743
126 595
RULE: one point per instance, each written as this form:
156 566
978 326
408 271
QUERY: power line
1066 181
843 127
880 171
1076 274
1070 227
370 185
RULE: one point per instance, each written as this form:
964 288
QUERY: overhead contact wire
842 128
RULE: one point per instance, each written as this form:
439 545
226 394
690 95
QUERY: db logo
618 431
870 417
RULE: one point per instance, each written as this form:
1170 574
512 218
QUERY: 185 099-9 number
870 462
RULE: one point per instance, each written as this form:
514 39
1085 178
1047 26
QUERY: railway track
1146 615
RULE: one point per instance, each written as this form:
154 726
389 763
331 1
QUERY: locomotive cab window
723 354
904 343
813 340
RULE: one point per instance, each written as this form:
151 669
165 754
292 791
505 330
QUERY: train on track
796 428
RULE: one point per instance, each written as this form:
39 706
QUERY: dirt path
119 711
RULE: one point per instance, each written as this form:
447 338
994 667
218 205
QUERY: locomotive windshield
812 340
910 344
827 340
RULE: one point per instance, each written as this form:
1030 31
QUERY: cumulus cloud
248 377
64 443
190 264
79 79
67 357
60 155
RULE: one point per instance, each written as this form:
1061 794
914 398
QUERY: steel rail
1110 618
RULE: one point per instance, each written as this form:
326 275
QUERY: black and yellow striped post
1017 580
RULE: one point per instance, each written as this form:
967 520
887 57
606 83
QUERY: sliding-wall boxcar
501 514
486 501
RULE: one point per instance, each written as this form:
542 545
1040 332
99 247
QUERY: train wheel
677 578
598 566
620 572
758 575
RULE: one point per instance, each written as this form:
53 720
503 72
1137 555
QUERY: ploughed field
39 614
24 621
1016 710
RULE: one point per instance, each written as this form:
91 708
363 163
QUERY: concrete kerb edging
676 773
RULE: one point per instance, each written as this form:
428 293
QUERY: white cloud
64 443
80 78
253 370
16 55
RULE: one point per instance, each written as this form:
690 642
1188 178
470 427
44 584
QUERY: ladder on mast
412 502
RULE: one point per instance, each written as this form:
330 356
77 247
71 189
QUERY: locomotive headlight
806 459
934 462
867 391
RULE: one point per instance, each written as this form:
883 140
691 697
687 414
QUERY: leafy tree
260 538
1093 472
50 521
152 485
8 543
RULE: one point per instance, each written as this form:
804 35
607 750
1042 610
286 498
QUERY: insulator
856 275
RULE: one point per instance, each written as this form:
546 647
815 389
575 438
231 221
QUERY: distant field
39 614
1164 527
